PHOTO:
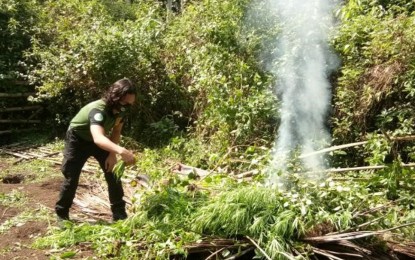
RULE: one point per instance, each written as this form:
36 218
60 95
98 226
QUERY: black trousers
76 153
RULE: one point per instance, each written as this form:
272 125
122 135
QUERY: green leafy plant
119 169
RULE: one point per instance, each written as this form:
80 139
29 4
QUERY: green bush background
201 69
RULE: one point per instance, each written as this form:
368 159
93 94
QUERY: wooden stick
349 244
216 252
359 226
247 174
326 254
36 156
338 147
341 253
357 214
241 253
259 248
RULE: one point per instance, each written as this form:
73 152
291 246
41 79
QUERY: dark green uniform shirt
94 113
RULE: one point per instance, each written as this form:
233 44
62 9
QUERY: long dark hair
117 91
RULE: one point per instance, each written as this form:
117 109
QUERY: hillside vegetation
206 99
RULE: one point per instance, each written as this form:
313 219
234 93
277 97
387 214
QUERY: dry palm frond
92 200
405 248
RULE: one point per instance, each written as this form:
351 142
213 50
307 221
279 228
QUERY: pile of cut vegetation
218 217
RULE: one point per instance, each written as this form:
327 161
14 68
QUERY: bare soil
15 243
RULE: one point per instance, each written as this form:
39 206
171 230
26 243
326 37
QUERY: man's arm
116 133
98 134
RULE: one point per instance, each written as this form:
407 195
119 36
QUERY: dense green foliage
201 70
206 79
375 87
17 20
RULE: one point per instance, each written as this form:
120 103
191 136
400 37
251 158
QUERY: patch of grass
15 198
57 145
34 171
5 250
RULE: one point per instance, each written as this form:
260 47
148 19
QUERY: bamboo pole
15 131
17 121
333 148
360 168
13 95
6 132
37 156
17 154
23 108
338 147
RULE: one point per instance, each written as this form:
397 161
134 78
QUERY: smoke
302 62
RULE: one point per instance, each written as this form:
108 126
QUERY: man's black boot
119 216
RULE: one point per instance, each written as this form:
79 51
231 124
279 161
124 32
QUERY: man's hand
127 156
110 162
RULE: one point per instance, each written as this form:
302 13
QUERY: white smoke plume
302 63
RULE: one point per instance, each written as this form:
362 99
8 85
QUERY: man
95 131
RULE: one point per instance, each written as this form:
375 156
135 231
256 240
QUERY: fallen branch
326 253
361 225
349 244
357 214
241 253
216 252
247 174
215 244
186 170
338 147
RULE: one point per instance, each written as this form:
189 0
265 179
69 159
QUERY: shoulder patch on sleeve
99 117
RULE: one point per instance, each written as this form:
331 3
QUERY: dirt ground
19 239
15 243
